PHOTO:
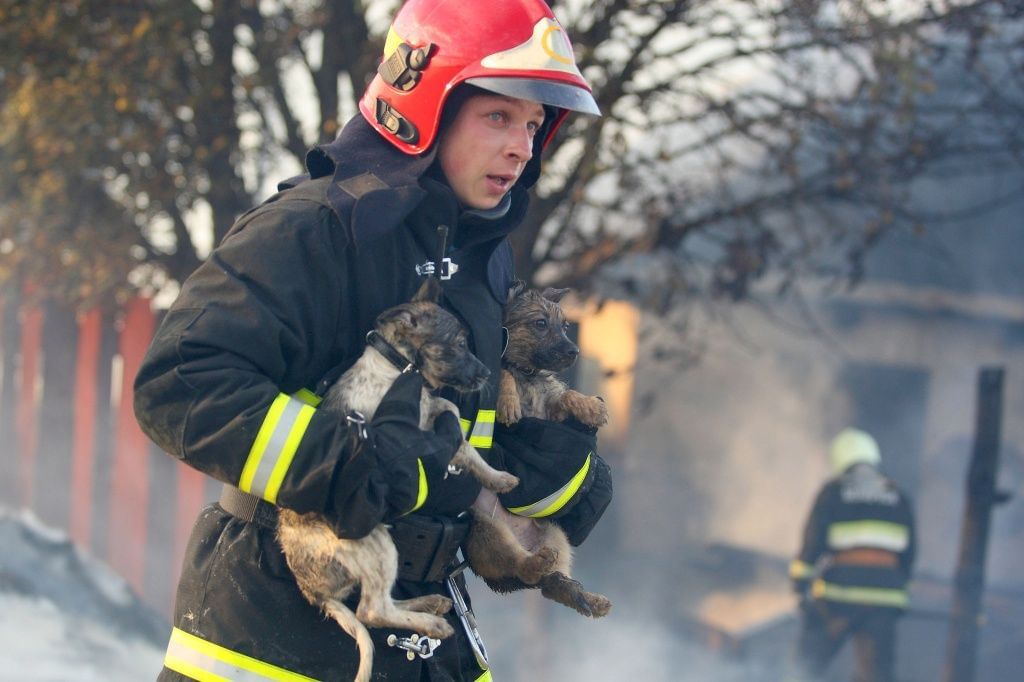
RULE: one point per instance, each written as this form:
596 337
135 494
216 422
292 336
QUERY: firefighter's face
487 147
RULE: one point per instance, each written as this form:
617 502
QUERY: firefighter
448 135
854 565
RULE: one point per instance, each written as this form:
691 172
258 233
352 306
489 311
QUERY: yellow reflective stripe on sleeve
483 430
800 569
421 495
275 446
486 677
465 424
893 537
307 396
875 596
208 662
556 500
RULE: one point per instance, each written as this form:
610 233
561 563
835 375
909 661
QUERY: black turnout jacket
859 543
282 306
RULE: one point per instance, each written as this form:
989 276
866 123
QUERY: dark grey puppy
328 568
511 552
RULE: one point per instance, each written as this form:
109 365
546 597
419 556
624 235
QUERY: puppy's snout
570 350
479 376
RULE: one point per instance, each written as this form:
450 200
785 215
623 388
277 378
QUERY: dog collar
373 338
522 370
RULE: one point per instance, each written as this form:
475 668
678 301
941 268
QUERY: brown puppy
328 568
512 552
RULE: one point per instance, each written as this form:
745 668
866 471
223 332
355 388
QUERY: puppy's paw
537 565
436 604
438 628
502 482
591 410
594 412
593 604
508 410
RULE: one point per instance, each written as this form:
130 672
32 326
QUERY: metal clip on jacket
357 421
448 268
415 645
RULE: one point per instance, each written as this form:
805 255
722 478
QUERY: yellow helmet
853 446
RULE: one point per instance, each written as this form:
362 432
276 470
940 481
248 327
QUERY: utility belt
427 547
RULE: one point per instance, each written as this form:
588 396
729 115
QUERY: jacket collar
373 185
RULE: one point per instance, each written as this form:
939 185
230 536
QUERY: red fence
82 463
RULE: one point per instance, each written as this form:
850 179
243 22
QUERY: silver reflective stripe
483 430
208 662
482 437
275 447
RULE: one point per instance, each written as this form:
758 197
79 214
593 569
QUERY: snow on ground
65 617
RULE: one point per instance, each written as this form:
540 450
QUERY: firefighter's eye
461 343
541 323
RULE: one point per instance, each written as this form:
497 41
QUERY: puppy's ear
517 288
429 291
554 295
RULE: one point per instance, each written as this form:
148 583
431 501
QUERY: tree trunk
10 338
104 452
56 416
981 497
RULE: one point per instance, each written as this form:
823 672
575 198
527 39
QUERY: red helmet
510 47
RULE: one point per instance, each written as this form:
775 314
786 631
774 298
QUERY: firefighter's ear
554 295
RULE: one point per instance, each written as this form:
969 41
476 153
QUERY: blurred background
794 216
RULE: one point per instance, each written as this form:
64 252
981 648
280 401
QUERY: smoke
531 639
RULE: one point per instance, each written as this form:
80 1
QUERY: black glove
546 455
585 514
397 440
379 479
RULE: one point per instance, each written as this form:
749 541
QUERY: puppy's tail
350 624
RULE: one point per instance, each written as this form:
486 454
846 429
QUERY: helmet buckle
395 123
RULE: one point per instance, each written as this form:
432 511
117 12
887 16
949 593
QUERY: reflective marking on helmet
878 534
556 500
208 662
275 446
560 40
876 596
548 49
392 42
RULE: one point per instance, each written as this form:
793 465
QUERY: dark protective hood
359 148
375 185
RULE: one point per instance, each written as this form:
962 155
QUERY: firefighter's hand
399 442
